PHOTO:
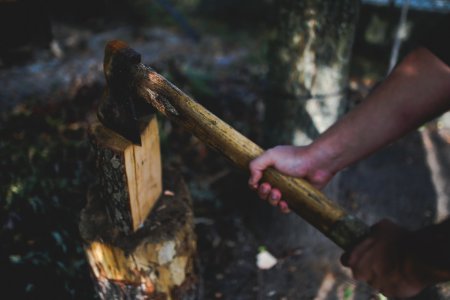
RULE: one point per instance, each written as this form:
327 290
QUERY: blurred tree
309 58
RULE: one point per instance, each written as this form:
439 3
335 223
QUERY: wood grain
129 174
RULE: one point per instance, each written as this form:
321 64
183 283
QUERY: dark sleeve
437 40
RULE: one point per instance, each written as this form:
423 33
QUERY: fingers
273 196
255 177
284 207
257 167
264 191
363 269
275 199
359 260
359 251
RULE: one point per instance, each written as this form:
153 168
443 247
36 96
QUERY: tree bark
308 68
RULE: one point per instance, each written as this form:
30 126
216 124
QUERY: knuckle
266 185
253 164
275 194
264 188
269 152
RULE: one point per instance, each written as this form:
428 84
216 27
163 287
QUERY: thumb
257 167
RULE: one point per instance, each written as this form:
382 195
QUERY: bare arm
416 91
396 262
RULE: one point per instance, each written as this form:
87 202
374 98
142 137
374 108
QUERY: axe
132 86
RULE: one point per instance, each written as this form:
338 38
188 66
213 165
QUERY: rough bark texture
308 68
155 262
129 176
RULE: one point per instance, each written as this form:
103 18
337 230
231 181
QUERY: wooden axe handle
138 81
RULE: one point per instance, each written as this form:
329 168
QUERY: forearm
416 91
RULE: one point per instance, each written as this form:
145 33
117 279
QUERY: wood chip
169 193
265 260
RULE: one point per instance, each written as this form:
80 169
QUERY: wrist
327 156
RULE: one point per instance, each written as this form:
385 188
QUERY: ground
46 171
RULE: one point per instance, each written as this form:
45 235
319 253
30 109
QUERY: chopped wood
129 175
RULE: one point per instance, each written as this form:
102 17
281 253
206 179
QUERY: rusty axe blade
121 107
327 216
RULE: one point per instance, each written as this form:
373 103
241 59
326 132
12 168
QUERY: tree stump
156 261
128 175
140 244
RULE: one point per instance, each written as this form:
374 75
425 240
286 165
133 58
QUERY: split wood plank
129 174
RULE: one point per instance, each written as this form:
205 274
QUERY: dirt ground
408 181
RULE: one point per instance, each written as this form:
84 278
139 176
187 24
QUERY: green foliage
44 179
348 293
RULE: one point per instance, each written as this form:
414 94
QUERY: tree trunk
308 68
308 58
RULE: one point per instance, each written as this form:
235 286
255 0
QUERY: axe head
121 107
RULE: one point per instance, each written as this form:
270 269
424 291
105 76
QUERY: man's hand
292 161
386 261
